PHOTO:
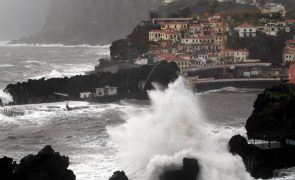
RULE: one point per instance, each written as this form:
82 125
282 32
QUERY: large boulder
274 112
6 168
189 171
46 165
119 175
163 73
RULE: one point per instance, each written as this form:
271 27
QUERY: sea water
144 138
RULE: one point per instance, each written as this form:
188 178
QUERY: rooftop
246 25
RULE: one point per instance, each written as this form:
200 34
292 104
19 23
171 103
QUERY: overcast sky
21 17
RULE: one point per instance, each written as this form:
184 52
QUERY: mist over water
173 127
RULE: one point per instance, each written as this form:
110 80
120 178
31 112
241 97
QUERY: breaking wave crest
173 127
6 98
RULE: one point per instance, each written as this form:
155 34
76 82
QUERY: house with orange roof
246 30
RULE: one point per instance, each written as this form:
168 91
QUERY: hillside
90 21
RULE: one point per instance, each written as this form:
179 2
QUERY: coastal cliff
90 22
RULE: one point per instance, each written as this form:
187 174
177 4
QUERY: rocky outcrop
261 163
163 73
6 168
119 175
127 81
273 119
274 112
46 165
189 171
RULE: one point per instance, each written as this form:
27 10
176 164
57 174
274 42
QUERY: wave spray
171 128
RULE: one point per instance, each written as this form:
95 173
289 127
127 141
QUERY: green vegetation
134 45
263 47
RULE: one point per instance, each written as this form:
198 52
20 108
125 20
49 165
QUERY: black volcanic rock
119 175
274 112
163 73
127 81
6 168
189 171
46 165
261 163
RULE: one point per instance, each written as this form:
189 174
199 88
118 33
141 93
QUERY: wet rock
6 168
46 165
274 112
261 163
189 171
119 175
163 73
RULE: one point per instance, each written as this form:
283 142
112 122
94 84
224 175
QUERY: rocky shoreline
127 82
271 122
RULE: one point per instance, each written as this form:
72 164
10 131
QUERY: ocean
143 138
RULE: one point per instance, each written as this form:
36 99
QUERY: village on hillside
200 42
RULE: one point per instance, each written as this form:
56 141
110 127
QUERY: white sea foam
6 65
229 89
5 97
173 127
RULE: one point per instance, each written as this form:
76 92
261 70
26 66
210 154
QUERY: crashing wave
172 128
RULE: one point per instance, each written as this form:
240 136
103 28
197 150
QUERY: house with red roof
246 30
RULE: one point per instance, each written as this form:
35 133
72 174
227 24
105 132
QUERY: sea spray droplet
172 128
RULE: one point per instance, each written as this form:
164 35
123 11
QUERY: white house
85 95
142 61
106 91
246 30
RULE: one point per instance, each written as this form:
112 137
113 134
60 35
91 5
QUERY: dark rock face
1 103
189 171
41 91
6 167
46 165
163 73
119 175
261 163
274 112
273 118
